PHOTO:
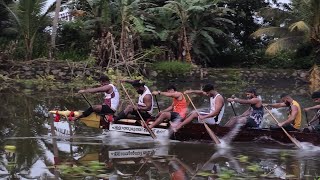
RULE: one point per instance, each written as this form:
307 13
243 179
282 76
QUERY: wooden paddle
233 109
305 113
210 132
289 136
155 97
86 99
143 123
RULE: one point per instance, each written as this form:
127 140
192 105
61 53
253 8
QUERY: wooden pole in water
143 123
289 136
210 132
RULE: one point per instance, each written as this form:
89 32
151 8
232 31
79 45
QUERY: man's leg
236 120
193 115
232 121
123 114
163 116
289 128
87 112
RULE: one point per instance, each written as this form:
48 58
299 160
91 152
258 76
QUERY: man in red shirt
176 111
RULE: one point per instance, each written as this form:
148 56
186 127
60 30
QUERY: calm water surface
29 151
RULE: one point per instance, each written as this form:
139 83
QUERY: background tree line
128 33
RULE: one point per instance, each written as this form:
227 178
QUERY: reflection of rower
177 171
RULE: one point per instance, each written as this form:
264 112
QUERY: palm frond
225 20
299 26
287 43
207 37
215 31
271 31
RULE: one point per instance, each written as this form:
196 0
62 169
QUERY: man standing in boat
176 111
111 98
216 107
316 98
251 117
293 122
144 105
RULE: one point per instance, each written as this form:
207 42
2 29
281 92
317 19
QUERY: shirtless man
176 111
144 105
111 98
293 122
216 107
251 117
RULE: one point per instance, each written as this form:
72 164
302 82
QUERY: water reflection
151 161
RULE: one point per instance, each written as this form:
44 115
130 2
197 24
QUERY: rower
316 98
216 108
293 122
144 105
253 116
176 111
110 101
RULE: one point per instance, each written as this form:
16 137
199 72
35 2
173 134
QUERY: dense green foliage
174 68
210 33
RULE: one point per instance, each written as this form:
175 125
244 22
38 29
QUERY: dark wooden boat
196 131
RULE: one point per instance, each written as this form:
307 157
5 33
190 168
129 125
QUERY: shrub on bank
173 68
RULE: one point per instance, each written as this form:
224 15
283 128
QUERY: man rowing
176 111
316 98
251 117
216 107
293 122
110 100
144 105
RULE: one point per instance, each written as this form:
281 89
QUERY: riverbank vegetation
131 35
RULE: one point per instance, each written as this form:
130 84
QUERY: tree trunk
54 29
28 48
186 46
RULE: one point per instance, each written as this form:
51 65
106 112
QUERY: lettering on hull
137 129
135 153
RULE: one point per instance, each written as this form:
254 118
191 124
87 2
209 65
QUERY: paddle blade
211 134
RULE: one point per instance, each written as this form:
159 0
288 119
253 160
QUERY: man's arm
168 94
105 88
218 106
313 107
315 117
244 101
200 92
147 100
127 80
168 109
292 116
276 105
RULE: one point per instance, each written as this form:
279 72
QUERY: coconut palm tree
27 19
303 27
195 25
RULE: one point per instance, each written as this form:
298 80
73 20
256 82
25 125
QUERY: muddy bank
67 71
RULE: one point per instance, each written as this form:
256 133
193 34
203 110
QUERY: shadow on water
28 149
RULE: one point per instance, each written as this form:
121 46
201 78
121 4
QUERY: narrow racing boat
192 131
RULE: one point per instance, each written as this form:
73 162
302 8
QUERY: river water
29 150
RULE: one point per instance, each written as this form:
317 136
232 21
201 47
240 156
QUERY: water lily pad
205 174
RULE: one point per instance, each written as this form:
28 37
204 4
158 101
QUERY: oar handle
210 132
306 114
155 97
233 109
289 136
142 120
86 99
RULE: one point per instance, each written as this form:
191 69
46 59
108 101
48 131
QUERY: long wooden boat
194 131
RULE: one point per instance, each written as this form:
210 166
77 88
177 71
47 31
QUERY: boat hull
197 131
